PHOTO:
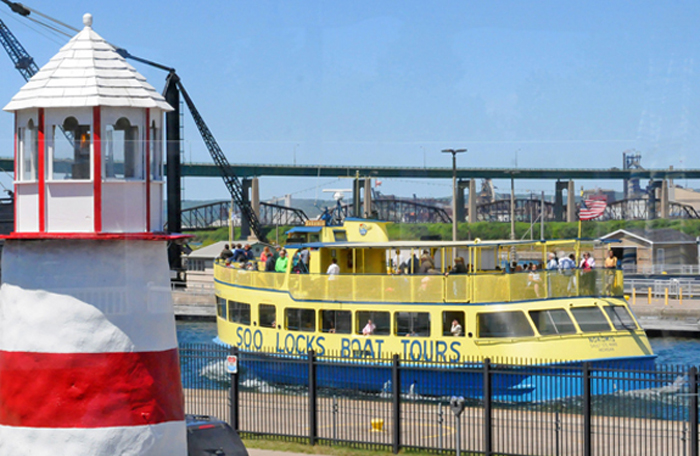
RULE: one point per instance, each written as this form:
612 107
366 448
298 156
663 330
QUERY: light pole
454 153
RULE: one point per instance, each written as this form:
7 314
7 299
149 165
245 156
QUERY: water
670 350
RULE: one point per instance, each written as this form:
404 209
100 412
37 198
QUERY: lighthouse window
28 152
300 319
221 307
504 324
336 321
123 158
551 322
71 150
412 324
239 312
156 153
590 319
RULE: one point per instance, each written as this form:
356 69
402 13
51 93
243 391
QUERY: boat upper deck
367 267
430 288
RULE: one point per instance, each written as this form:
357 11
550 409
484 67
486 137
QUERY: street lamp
454 153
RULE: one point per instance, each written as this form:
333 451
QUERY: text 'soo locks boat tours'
362 298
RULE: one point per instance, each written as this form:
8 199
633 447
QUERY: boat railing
249 278
483 287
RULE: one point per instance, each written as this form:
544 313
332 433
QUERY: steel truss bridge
215 215
642 209
403 210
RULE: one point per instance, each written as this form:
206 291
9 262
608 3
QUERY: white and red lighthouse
88 349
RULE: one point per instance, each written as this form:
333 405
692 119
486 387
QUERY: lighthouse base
88 350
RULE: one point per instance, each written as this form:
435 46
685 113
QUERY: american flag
591 208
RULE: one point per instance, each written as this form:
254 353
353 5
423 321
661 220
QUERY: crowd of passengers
277 261
273 260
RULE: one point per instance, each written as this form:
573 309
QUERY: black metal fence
503 408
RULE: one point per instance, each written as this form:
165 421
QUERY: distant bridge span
257 170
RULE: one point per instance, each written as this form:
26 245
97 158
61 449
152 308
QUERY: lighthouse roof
87 72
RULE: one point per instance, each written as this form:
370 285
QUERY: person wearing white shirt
456 328
333 269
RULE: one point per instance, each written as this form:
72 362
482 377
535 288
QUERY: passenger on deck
552 262
270 263
611 265
534 280
369 328
282 262
265 254
304 255
238 253
426 264
226 253
459 267
333 269
248 253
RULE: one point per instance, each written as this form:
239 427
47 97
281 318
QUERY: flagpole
578 241
579 217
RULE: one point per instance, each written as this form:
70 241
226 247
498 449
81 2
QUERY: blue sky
557 84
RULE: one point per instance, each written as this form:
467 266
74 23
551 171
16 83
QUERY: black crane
19 56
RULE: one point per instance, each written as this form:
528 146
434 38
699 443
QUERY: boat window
380 320
300 319
504 324
221 307
239 312
412 324
336 321
590 319
551 322
340 235
620 317
448 328
268 315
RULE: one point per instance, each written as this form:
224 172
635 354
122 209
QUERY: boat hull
509 383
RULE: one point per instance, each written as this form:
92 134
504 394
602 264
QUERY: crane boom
233 183
19 56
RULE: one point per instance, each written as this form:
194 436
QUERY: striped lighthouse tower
88 349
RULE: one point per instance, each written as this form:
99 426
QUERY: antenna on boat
335 216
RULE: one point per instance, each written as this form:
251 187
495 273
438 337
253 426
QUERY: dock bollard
457 405
377 425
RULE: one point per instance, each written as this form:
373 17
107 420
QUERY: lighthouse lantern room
88 144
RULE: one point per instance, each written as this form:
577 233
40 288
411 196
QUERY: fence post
488 419
313 427
586 373
233 403
396 402
693 410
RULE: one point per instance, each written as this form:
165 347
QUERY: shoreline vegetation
482 230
